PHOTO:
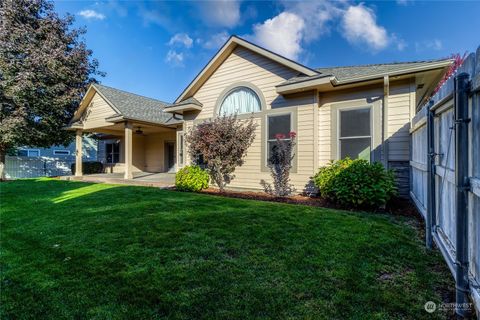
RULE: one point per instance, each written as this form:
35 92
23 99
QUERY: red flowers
281 136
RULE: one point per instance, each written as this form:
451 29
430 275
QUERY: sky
156 48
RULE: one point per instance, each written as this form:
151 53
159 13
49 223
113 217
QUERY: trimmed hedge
356 183
89 167
191 178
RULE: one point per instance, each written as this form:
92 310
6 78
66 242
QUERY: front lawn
97 251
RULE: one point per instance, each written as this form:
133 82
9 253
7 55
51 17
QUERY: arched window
240 100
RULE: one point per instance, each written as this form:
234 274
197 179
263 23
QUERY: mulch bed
396 206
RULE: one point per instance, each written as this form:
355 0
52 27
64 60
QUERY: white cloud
175 58
91 14
317 16
359 26
181 39
434 44
282 34
215 41
221 13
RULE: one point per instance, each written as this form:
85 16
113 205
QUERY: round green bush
356 183
191 178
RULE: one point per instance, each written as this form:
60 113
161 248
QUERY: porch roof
132 106
126 106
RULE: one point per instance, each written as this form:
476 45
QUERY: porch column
128 151
78 153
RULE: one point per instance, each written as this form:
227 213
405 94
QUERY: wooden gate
442 215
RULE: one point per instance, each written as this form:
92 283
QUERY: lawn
98 251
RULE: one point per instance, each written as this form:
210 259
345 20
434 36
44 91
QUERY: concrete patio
148 179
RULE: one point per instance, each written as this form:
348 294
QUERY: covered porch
136 137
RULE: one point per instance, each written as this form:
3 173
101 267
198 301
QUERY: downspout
386 95
462 187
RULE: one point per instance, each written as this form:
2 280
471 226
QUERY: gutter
309 84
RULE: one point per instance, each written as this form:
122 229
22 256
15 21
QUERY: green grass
77 250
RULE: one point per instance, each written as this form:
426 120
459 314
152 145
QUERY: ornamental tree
222 145
280 164
45 69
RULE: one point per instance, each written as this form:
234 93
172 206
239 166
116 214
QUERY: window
112 152
278 126
29 153
61 152
355 138
180 149
240 100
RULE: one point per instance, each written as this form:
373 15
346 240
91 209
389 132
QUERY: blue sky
156 48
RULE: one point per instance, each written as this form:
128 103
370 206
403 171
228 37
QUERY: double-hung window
355 133
279 126
112 152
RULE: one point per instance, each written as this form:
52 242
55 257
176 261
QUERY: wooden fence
34 167
443 210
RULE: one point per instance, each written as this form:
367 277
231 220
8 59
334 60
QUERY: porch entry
169 156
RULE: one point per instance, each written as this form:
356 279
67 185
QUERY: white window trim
268 128
32 150
339 121
55 152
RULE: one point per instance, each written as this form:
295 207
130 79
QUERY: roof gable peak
222 54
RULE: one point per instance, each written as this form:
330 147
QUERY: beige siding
324 135
154 150
402 95
399 108
245 66
96 113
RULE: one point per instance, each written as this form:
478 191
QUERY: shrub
221 144
89 167
280 163
356 183
191 178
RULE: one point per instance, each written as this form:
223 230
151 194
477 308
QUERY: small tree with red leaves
222 145
280 164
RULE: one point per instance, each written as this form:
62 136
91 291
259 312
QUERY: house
357 111
62 152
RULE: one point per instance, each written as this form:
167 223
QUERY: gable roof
225 51
130 106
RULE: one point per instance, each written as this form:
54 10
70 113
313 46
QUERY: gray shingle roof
350 73
135 107
190 100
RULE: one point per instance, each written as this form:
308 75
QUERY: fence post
462 185
431 214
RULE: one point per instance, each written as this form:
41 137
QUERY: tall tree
45 69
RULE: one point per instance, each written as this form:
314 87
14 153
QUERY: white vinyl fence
437 168
34 167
